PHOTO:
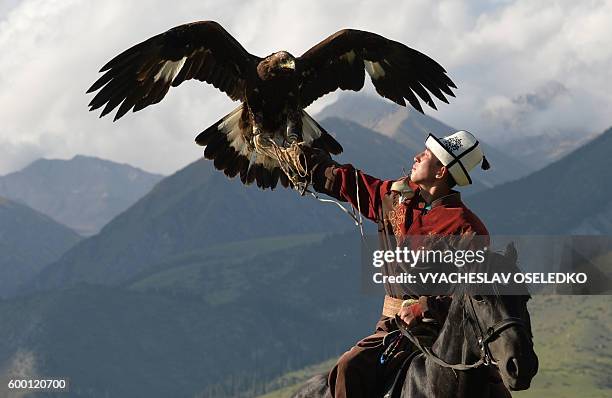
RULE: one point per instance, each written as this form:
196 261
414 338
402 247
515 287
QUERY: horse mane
495 262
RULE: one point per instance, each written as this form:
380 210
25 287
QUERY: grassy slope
183 273
211 321
573 340
288 384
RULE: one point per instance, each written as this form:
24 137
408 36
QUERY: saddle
398 348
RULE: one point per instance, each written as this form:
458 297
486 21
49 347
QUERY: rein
486 358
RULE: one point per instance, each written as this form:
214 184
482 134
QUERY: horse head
501 323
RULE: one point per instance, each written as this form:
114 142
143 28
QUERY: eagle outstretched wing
396 70
142 75
238 143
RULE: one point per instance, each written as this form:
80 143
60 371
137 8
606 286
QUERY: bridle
492 332
484 338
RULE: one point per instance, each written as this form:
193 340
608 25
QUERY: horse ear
511 253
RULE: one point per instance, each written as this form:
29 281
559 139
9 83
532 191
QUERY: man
422 205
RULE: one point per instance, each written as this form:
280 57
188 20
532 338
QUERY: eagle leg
294 128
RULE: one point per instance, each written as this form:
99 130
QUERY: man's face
426 168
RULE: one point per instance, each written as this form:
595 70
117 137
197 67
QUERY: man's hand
411 314
313 157
319 166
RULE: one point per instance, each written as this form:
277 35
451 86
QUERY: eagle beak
288 64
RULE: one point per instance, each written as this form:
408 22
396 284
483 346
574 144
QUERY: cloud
6 6
18 155
543 97
516 49
515 113
52 50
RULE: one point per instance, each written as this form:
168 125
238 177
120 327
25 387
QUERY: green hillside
573 340
199 272
218 324
555 199
29 241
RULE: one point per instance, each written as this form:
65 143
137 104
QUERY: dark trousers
358 372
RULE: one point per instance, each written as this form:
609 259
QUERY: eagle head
278 64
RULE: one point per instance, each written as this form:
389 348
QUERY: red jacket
447 215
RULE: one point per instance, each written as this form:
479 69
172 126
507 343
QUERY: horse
481 331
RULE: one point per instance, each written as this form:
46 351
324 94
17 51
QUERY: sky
522 68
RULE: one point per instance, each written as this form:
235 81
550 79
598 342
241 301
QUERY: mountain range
83 193
410 128
515 155
543 149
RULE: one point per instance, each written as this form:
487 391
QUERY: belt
392 305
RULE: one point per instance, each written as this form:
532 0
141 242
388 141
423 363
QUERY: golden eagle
254 139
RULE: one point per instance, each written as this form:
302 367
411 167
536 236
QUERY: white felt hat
459 152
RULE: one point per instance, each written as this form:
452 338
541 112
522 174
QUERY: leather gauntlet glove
319 166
